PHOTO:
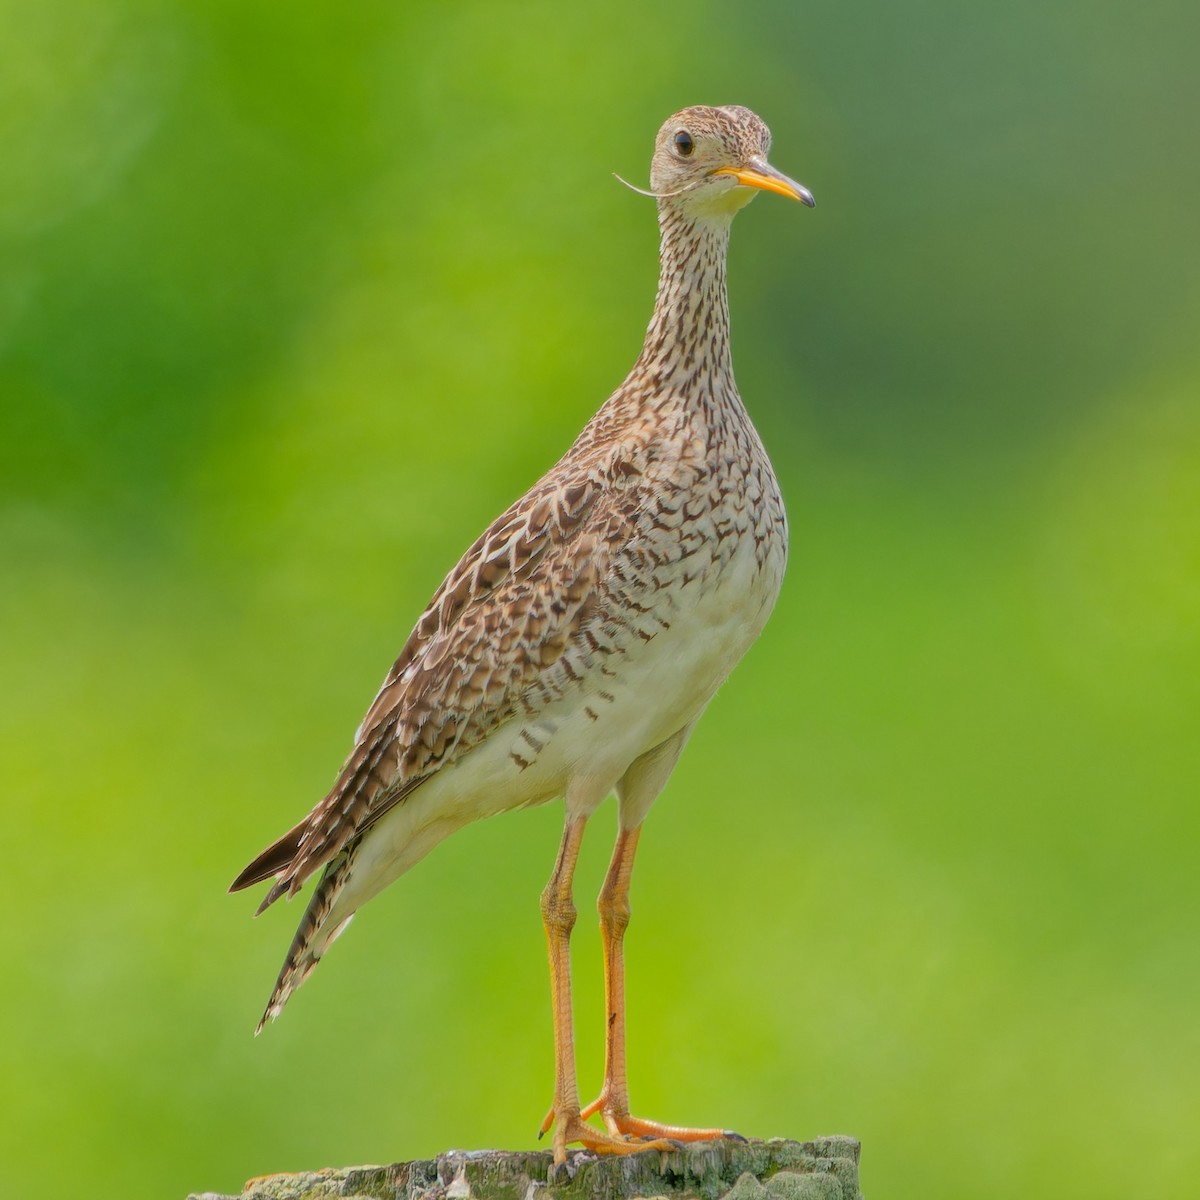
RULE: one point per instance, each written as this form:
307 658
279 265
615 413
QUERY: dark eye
684 144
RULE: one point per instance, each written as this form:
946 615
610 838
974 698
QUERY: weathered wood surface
823 1169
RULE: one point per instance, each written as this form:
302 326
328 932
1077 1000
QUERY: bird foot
570 1128
624 1124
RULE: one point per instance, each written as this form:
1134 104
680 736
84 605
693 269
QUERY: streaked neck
688 335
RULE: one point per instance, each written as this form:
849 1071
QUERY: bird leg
613 1101
558 917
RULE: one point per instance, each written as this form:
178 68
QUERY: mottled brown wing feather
501 618
272 860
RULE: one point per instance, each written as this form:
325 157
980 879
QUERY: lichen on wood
822 1169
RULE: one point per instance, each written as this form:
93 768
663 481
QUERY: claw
624 1124
570 1128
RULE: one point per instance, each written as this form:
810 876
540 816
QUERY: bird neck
688 338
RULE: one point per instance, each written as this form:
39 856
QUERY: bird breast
694 580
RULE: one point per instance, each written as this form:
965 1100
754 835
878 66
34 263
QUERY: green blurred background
295 298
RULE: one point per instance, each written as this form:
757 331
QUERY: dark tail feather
275 858
307 947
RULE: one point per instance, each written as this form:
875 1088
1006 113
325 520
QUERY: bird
573 647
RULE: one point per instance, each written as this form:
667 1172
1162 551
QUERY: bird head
709 162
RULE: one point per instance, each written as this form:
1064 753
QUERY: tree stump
823 1169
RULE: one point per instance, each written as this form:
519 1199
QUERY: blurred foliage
294 298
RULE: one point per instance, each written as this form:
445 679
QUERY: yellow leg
558 917
613 1101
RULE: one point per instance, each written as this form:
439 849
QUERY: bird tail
312 938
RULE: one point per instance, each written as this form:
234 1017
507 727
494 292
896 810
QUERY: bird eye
684 144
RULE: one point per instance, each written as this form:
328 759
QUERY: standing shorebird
576 643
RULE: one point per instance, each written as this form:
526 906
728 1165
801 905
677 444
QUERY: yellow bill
763 175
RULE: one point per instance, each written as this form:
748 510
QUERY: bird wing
480 653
